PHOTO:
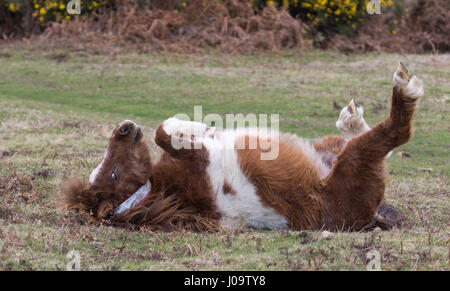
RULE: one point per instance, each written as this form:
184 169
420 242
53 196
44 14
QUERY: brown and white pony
337 184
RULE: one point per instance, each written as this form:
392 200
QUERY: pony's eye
114 175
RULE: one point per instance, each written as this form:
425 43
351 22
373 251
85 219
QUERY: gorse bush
326 15
323 15
44 11
238 25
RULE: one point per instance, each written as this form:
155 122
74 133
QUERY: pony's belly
236 196
248 212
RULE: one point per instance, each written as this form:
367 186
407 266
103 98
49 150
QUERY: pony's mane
159 212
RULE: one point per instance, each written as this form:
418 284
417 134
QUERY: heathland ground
58 108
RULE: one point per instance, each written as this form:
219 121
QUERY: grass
57 110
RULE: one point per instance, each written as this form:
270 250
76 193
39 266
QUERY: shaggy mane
159 212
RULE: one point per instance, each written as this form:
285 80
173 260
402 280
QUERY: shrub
44 11
326 15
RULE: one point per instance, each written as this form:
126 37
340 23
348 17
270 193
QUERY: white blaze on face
97 169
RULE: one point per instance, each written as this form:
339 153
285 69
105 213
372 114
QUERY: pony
206 179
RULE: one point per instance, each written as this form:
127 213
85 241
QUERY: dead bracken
232 26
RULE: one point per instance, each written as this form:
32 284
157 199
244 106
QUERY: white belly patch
244 207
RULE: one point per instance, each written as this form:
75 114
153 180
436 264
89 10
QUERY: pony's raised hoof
411 86
351 121
387 217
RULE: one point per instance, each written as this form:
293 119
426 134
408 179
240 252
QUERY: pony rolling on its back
220 179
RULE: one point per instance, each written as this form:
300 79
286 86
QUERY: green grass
56 118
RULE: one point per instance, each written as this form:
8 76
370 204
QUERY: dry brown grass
231 27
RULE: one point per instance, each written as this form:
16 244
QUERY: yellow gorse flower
12 7
348 12
54 10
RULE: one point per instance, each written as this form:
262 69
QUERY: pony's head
119 189
126 162
124 169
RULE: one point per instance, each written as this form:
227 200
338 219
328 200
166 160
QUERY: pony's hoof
412 86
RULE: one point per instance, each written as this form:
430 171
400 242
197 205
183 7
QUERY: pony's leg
355 187
329 147
387 216
332 144
183 140
351 123
181 171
